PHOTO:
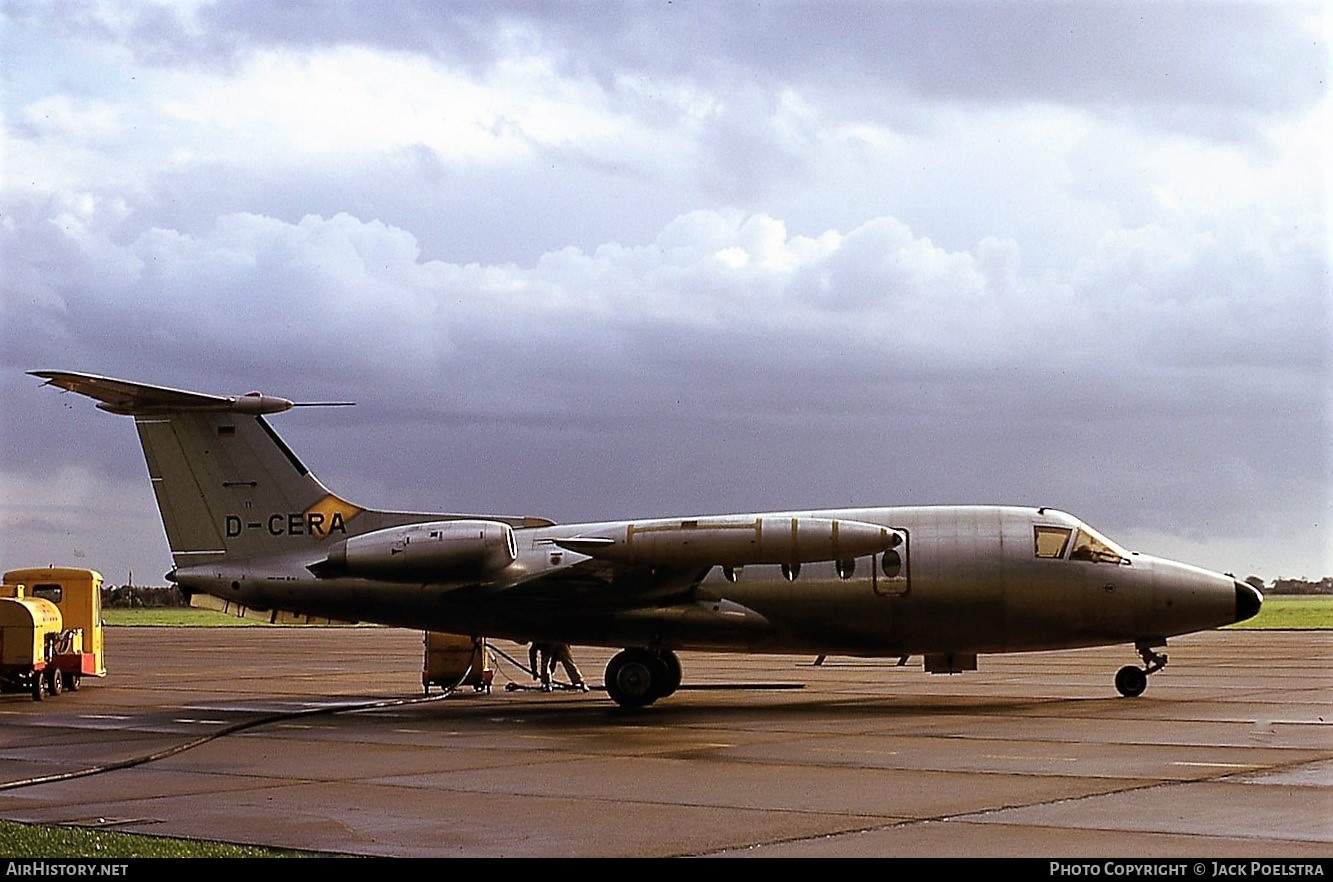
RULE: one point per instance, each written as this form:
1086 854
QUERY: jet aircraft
248 523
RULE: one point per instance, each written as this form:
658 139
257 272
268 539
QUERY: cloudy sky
602 260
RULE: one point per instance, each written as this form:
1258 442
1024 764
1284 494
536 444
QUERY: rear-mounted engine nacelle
434 551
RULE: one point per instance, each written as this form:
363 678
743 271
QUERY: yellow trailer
50 629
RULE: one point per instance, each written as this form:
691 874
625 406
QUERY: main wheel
671 670
1131 681
633 678
38 687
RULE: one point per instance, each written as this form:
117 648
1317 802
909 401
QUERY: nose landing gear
1131 681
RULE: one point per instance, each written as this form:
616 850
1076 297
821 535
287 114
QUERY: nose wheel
1131 681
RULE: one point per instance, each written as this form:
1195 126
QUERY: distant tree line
139 597
1301 586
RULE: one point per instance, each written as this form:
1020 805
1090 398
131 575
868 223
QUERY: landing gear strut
637 677
1131 681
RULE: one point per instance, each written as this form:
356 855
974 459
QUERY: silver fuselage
966 580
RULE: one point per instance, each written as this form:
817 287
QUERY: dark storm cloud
1229 57
1190 61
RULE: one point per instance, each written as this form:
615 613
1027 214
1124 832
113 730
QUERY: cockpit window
1090 546
1051 541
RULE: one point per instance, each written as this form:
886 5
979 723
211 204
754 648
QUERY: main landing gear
637 677
1131 681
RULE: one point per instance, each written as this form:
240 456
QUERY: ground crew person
559 652
539 662
542 659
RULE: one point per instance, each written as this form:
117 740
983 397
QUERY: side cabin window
1051 541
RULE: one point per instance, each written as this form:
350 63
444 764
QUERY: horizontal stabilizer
124 397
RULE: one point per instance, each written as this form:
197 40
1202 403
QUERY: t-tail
249 524
226 484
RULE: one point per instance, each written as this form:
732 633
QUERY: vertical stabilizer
226 484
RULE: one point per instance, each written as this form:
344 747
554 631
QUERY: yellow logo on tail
330 513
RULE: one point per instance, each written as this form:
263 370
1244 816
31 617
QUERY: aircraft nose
1248 601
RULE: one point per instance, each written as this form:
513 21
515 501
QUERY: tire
55 681
72 682
671 671
1131 681
38 687
633 678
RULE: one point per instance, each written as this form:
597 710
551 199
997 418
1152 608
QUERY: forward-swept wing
249 525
